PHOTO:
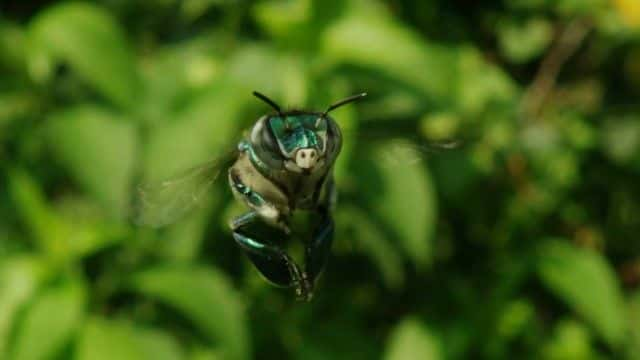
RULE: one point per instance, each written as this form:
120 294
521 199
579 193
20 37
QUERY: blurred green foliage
521 243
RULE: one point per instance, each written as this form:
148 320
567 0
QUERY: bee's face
298 137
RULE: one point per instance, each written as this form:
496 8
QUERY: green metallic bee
284 164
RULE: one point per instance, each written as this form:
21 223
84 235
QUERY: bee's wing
398 150
159 204
403 151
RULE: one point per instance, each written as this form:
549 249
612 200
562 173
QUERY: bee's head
300 137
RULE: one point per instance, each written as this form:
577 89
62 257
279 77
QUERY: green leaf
571 340
87 38
158 345
204 353
35 213
98 148
369 37
203 130
174 75
405 199
206 298
586 282
269 15
50 322
482 83
411 340
19 279
523 42
245 70
103 339
58 232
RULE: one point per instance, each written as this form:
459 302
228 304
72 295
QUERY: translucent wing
398 150
403 151
162 203
400 147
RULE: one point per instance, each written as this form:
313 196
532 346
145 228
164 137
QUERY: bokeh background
522 242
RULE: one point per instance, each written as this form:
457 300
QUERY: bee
284 164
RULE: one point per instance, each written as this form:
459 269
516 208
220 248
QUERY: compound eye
268 140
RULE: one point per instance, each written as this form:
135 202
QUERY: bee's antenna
268 101
340 103
344 102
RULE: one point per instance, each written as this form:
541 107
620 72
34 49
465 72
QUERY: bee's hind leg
271 260
317 250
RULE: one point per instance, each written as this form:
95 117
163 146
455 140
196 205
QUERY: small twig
567 43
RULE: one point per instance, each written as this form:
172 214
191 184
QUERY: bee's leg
317 250
271 260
